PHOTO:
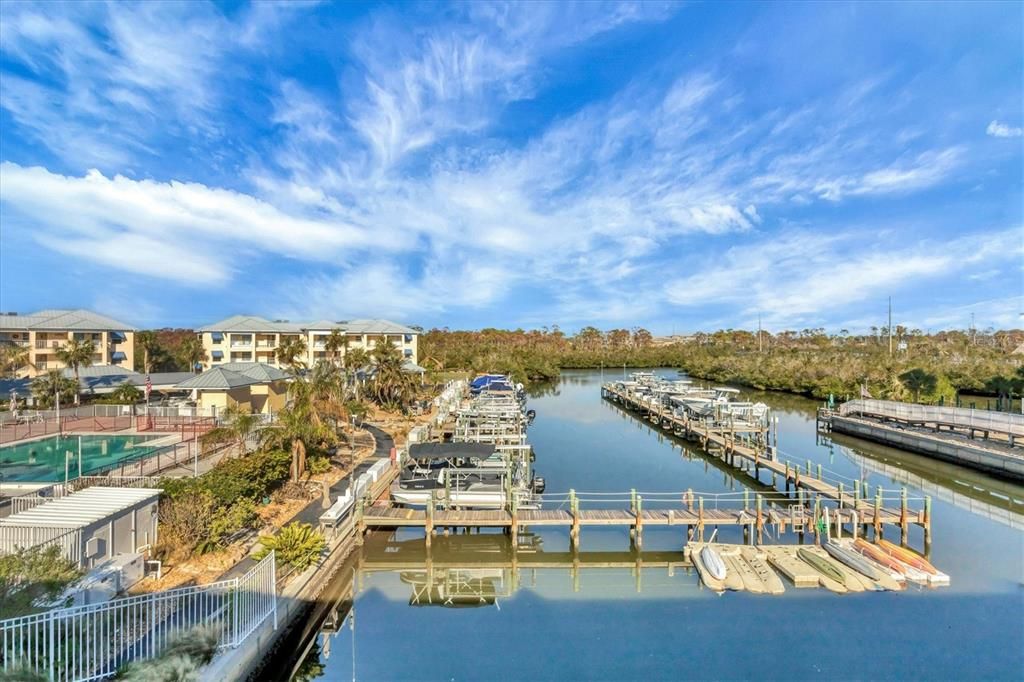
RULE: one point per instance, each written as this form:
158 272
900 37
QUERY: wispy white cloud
187 232
798 277
997 129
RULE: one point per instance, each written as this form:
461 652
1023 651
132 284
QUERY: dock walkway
753 453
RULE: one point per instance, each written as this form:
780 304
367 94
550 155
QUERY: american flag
149 387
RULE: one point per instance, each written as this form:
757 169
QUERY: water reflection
607 612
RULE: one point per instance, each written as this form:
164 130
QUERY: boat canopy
451 450
485 380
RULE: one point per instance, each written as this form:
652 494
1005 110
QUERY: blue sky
675 166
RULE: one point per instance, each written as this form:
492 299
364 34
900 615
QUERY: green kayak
822 565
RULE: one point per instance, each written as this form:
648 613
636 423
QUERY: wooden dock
753 456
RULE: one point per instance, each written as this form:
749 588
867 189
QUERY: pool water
43 460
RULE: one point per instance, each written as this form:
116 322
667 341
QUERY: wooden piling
760 520
903 516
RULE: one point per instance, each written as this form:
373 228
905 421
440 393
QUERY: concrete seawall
1007 466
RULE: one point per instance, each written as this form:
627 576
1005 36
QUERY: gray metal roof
99 371
253 323
83 508
216 379
59 320
260 371
377 327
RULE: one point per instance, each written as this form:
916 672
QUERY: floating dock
752 455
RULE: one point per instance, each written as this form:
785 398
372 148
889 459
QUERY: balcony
50 343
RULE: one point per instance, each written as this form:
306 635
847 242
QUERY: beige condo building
246 338
42 333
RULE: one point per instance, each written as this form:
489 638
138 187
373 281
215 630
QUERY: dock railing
956 417
93 642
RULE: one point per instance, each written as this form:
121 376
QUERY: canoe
758 562
751 582
855 581
828 568
873 574
876 554
914 559
706 576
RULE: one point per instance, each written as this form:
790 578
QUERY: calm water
43 460
612 618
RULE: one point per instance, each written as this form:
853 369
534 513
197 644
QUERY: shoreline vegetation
927 368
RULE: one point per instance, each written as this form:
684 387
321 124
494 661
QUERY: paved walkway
312 511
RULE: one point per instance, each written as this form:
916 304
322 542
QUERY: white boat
713 562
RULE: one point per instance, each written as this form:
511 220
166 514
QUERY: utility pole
974 332
890 325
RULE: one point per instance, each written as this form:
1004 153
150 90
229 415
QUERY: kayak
876 554
751 582
713 562
914 559
854 561
861 565
849 579
769 578
706 576
821 565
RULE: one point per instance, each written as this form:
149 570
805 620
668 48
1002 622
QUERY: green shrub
297 545
28 576
318 465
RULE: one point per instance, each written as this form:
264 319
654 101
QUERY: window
408 338
408 352
118 356
217 355
216 337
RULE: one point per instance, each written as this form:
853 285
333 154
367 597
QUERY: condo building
246 338
42 333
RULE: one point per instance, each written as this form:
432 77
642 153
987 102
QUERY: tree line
809 361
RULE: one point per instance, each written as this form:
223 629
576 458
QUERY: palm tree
12 358
237 425
290 353
355 360
146 340
315 414
392 386
46 386
191 353
127 394
76 354
336 342
918 380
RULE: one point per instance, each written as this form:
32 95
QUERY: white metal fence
959 417
93 642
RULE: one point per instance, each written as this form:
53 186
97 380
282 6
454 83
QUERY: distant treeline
808 362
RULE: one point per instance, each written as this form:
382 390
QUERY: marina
532 592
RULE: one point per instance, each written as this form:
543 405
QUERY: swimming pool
43 460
